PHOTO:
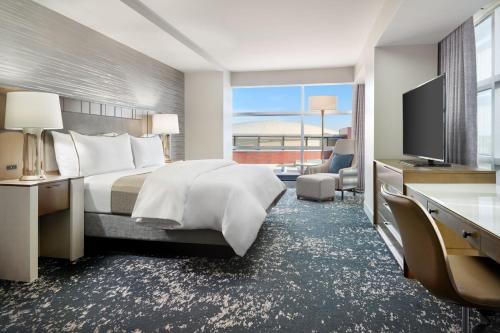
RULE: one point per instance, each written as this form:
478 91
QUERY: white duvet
209 194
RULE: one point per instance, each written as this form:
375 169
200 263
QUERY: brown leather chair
472 282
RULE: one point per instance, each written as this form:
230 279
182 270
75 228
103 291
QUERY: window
483 49
273 125
484 143
487 33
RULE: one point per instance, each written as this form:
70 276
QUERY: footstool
319 186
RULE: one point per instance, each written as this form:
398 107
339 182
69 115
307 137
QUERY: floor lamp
322 104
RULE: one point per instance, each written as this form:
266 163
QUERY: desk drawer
454 222
489 246
417 196
53 197
388 176
384 209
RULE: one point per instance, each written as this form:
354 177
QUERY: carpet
315 267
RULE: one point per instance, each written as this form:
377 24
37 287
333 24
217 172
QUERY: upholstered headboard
11 142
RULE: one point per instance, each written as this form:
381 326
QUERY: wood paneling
45 51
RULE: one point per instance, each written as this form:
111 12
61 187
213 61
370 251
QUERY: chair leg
354 192
342 195
465 319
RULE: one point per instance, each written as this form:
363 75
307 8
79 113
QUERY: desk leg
19 233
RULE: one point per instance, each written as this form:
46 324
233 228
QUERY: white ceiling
254 35
249 35
119 22
427 21
241 35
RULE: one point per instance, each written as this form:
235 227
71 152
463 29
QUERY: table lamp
165 124
32 112
323 104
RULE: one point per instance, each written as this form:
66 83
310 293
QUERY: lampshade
28 109
325 103
165 123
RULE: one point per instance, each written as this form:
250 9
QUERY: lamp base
33 178
32 155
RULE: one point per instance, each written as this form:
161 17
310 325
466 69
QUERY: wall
283 77
397 70
369 81
388 72
364 72
45 51
208 115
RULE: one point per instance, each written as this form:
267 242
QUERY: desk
472 211
396 176
42 217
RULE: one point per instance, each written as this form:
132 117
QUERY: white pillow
147 151
66 157
101 154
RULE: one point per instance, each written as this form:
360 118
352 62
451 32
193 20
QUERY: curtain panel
457 59
358 128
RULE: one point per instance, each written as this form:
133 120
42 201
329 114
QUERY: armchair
347 178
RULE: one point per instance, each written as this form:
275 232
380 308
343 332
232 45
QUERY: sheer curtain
358 127
457 59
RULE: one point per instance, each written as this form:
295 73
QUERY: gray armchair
346 179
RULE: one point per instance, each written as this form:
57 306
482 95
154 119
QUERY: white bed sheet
98 189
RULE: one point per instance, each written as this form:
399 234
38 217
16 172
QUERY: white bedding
98 189
209 194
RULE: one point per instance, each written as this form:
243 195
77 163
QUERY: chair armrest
348 177
321 168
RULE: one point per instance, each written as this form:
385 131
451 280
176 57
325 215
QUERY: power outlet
12 167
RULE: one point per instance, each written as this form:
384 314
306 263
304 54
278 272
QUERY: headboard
11 142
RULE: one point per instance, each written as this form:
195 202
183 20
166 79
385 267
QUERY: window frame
302 113
490 83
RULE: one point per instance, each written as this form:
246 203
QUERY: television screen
424 120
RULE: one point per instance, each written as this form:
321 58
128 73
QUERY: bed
213 202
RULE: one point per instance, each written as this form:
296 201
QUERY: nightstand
39 218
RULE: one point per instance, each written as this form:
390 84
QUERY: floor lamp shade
32 112
165 124
322 104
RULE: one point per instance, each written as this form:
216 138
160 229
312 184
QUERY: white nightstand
39 218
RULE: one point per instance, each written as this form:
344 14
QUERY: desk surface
478 203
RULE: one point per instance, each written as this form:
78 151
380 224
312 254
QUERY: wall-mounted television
424 120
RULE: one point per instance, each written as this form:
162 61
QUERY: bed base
124 227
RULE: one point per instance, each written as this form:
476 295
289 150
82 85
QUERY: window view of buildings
275 126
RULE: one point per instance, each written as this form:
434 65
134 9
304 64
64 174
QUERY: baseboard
368 212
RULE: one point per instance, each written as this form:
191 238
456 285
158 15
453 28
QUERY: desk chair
472 282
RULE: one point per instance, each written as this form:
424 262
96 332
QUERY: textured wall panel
43 50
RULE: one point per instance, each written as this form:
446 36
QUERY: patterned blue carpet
315 267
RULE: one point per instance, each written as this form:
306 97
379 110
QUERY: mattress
99 188
124 193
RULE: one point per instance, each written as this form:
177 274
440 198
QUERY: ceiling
427 21
272 35
239 35
118 21
256 35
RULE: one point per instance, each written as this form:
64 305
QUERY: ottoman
319 186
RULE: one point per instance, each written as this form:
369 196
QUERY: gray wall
45 51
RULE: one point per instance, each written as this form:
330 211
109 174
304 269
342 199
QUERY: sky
288 99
